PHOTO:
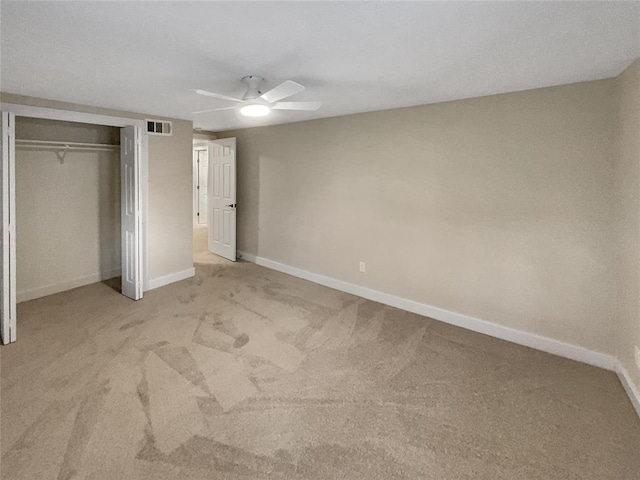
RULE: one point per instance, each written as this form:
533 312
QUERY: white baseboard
629 387
249 257
38 292
538 342
519 337
171 278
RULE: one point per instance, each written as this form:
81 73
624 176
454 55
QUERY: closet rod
65 148
66 145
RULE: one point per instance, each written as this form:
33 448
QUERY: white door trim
196 172
131 225
71 116
98 119
7 216
194 189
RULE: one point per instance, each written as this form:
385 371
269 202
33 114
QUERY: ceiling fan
254 103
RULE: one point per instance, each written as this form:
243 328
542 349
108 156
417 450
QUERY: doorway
201 171
201 252
67 197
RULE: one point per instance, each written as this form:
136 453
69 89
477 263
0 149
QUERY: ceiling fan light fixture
254 103
255 110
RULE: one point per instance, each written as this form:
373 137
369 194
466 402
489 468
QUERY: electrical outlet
637 351
363 267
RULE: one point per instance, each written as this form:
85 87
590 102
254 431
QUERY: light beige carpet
246 373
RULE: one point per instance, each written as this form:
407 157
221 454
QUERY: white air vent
158 127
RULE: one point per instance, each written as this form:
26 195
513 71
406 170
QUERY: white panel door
222 197
8 237
131 216
203 181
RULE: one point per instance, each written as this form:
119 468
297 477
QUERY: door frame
8 301
111 121
198 145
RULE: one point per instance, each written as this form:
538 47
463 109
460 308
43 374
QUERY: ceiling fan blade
214 110
284 90
311 106
217 95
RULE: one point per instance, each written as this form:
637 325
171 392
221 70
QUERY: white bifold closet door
222 198
8 237
130 143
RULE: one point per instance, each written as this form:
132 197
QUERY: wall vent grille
159 127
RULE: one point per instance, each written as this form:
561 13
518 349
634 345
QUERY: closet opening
68 221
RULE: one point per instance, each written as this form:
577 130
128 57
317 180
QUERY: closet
68 216
73 200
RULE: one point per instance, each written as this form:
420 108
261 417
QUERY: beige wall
203 136
170 198
500 208
628 202
170 201
68 214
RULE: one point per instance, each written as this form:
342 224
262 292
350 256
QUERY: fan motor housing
253 83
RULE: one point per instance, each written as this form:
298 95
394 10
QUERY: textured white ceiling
353 56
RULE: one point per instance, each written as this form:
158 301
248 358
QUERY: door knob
233 205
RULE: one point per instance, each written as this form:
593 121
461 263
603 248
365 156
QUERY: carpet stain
241 341
129 325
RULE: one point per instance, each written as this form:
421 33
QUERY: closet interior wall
67 208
